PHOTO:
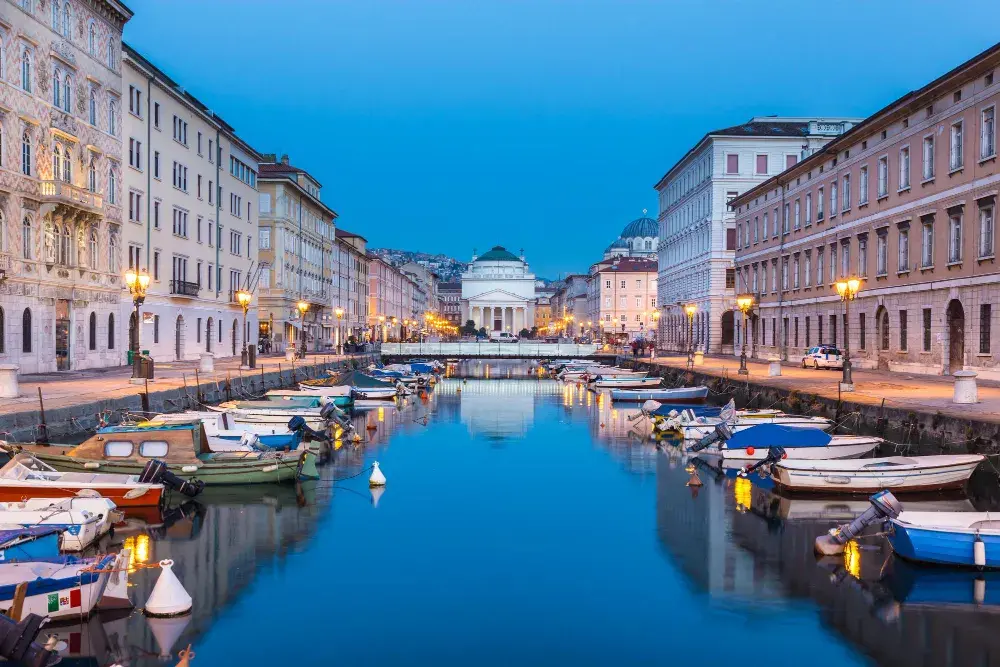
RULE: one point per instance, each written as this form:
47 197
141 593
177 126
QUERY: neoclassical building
498 292
640 238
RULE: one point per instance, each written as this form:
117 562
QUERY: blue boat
29 543
967 539
287 441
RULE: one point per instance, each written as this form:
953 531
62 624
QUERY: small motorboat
335 396
625 382
361 385
82 520
225 435
970 539
25 476
692 426
675 395
68 586
755 443
29 543
899 473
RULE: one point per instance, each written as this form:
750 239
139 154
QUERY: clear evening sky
446 125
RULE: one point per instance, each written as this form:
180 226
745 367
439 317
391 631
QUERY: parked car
823 356
502 337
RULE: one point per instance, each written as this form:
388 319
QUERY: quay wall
72 423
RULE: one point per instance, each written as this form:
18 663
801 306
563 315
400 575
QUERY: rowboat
675 395
25 476
183 447
969 539
625 382
68 586
29 543
82 520
899 473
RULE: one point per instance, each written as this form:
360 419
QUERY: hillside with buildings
448 269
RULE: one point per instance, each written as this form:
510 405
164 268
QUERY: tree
469 328
525 333
482 331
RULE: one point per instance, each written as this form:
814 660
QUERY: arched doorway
955 316
208 335
133 333
236 328
754 328
882 337
728 331
179 338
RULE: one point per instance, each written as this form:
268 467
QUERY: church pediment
498 295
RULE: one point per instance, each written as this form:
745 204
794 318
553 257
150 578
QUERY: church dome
641 227
498 254
619 244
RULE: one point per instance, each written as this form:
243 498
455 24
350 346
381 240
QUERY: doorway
62 335
882 336
236 328
179 338
956 336
133 333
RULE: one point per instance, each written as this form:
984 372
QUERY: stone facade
622 297
498 292
907 202
390 299
350 293
61 185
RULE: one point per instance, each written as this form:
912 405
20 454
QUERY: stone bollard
8 380
774 366
290 353
966 390
699 357
207 364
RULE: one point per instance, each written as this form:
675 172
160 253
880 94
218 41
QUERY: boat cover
17 533
763 436
282 404
699 410
359 380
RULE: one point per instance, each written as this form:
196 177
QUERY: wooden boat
25 476
625 382
82 521
66 587
29 543
674 395
898 473
183 447
947 538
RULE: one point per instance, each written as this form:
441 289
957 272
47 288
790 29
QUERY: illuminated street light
244 298
848 291
137 284
745 303
689 310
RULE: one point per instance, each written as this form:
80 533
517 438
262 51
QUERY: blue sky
444 125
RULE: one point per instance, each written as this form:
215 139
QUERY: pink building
622 297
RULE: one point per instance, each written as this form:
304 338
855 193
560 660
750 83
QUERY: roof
498 254
629 265
450 287
344 234
915 99
643 227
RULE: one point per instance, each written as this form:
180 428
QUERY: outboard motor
156 472
774 454
331 412
297 424
721 433
18 645
884 506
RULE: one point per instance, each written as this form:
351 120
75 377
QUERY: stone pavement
919 393
71 388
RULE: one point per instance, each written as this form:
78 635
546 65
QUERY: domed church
498 291
640 238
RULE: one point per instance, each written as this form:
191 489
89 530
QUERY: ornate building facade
61 285
498 292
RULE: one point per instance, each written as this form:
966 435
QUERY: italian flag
59 601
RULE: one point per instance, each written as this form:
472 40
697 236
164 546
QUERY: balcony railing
61 192
184 288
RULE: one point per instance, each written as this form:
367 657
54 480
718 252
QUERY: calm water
525 522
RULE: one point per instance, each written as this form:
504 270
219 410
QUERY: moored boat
25 476
968 539
755 444
65 587
82 520
899 473
29 543
625 382
673 395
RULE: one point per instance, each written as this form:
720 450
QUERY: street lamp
303 307
690 310
848 291
656 323
381 324
137 284
244 298
339 312
745 303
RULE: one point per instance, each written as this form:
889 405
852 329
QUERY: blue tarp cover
763 436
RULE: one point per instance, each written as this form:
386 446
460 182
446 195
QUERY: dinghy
625 382
66 587
25 476
691 426
752 444
899 473
675 395
970 539
82 520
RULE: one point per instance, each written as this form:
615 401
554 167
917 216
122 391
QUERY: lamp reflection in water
138 546
852 559
742 489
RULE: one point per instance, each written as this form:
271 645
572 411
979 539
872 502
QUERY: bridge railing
485 349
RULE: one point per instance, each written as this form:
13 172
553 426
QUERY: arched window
884 326
113 118
93 107
26 153
55 16
93 331
92 174
111 54
3 233
3 333
65 242
67 19
26 331
26 237
649 245
67 95
26 70
67 166
92 40
56 162
112 185
113 249
57 88
93 248
111 331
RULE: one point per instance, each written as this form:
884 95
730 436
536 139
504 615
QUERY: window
845 259
67 24
211 239
113 232
118 449
808 322
985 327
199 143
862 186
764 232
756 229
904 168
93 248
846 193
904 250
987 138
210 192
134 206
882 259
26 331
809 207
927 243
833 329
833 199
156 328
819 204
156 164
26 153
135 101
956 159
883 176
791 161
92 107
607 283
955 238
902 331
928 157
623 284
111 331
180 131
113 118
795 273
730 281
135 154
26 237
732 162
198 185
986 231
761 165
112 185
785 222
180 176
26 70
819 266
92 338
180 220
210 159
198 224
808 269
156 115
111 54
861 331
156 214
927 330
798 211
156 265
863 256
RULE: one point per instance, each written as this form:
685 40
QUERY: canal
530 522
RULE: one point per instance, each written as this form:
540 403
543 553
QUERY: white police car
823 356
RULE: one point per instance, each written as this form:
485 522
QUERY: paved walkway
69 388
923 393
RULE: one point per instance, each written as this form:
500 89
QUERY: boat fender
92 465
88 493
883 506
137 492
189 469
751 450
979 590
979 552
168 597
377 478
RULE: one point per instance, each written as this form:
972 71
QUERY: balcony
184 288
60 192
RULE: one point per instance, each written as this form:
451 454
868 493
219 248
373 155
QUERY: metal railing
184 288
471 349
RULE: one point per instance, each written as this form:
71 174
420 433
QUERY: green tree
469 328
525 333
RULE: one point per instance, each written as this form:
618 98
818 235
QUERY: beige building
621 297
190 204
390 299
297 245
350 292
907 201
61 208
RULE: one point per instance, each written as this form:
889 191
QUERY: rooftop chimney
284 159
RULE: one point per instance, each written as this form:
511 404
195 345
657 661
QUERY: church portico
498 292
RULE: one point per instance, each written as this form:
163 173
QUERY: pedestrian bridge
526 350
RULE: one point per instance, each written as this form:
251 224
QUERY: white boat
689 426
671 395
625 383
898 473
84 520
67 587
266 418
845 508
593 375
754 444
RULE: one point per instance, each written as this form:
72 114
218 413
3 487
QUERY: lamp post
745 303
244 298
137 283
656 325
381 325
303 308
690 310
339 312
848 291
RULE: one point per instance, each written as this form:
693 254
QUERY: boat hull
699 431
926 477
31 547
74 593
685 395
841 447
626 383
151 496
941 546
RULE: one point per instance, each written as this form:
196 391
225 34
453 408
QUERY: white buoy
377 478
166 632
376 492
168 597
979 552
